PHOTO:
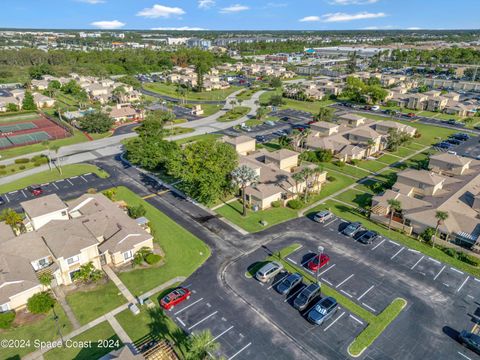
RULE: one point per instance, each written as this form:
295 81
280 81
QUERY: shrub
276 203
36 164
22 167
136 211
151 259
6 319
91 191
331 178
3 172
22 161
40 303
111 194
295 204
354 162
427 234
3 166
338 163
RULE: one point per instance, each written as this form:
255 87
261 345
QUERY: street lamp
55 317
320 253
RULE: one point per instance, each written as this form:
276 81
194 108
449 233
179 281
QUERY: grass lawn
234 114
356 198
403 152
197 138
388 159
18 116
247 94
414 146
184 252
170 90
102 331
43 330
86 305
49 176
430 134
388 176
349 213
366 186
251 222
340 182
346 169
178 130
371 165
16 168
309 106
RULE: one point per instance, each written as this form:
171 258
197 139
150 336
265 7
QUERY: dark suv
323 310
306 296
470 340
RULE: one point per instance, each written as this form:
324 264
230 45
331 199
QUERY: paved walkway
163 286
60 295
118 329
120 285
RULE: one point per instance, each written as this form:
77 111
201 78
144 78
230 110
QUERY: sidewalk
66 307
120 285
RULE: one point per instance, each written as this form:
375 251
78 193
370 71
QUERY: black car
444 145
368 237
323 310
306 296
260 138
461 136
288 283
352 229
2 201
454 141
470 340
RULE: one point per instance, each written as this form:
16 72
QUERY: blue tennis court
17 127
27 138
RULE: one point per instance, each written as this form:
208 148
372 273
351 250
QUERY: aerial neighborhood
177 193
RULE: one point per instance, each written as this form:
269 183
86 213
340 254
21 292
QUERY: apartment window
4 307
64 213
73 260
128 255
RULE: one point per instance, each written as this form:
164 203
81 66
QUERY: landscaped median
234 114
376 323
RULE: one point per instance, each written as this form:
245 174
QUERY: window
64 213
4 307
73 260
127 255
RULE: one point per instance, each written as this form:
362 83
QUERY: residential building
242 144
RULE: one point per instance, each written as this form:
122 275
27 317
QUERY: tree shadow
253 268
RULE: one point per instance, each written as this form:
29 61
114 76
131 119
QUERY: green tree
149 152
53 88
45 279
324 155
136 211
12 107
87 273
200 346
276 82
352 63
40 303
242 177
118 92
36 72
376 93
394 206
204 168
95 122
441 216
324 114
12 218
28 102
276 100
427 234
262 111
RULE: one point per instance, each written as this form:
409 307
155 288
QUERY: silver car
322 216
268 271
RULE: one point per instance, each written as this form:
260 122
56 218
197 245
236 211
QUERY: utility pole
320 253
55 317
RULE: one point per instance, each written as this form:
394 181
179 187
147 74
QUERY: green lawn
346 169
184 252
49 176
366 186
43 330
86 305
247 94
371 165
309 106
251 223
15 168
93 350
170 90
388 159
234 114
18 116
356 198
197 138
430 134
403 152
340 182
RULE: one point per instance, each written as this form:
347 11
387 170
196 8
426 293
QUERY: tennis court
4 143
28 138
20 117
17 127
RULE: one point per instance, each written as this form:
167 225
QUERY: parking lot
441 299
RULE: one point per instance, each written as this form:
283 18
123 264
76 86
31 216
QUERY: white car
375 108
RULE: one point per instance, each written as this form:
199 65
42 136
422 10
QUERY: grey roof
16 275
43 205
6 232
29 246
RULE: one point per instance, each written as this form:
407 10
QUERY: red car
36 190
176 297
315 265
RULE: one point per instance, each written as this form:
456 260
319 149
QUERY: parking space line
60 180
288 298
88 174
222 333
292 261
365 293
324 271
69 182
357 320
334 321
74 177
413 267
6 197
369 307
13 192
344 281
346 293
414 251
239 351
331 222
84 179
458 271
465 356
435 261
393 242
328 282
55 185
186 307
25 196
441 270
301 246
201 321
464 282
398 252
180 321
275 283
477 280
380 243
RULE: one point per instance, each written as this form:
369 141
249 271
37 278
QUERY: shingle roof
422 176
43 205
451 159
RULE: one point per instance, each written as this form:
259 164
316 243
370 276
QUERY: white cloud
206 4
234 8
93 2
163 11
182 28
414 28
340 17
108 24
275 5
310 19
353 2
378 27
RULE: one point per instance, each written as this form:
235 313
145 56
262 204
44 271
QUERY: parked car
317 262
288 283
368 237
323 310
454 141
367 107
2 202
411 115
306 296
322 216
461 136
375 108
270 123
175 297
352 229
268 271
260 138
35 190
470 340
444 145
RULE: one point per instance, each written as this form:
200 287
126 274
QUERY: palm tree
316 173
200 346
325 114
118 92
394 205
306 174
370 145
55 148
244 176
441 216
12 218
46 144
298 178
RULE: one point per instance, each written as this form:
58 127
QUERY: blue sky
241 14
